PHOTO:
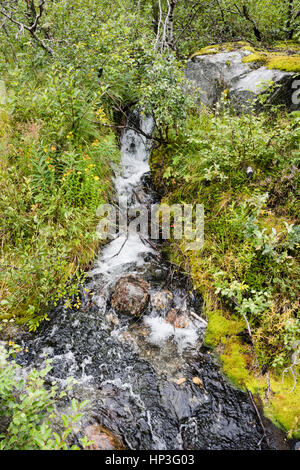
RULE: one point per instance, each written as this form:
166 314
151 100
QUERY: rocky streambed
135 345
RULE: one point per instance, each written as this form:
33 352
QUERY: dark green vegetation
72 70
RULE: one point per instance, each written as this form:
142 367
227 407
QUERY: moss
222 333
274 60
287 61
255 57
220 327
226 47
235 359
287 45
284 407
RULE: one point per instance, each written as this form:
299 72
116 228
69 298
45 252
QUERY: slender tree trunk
255 28
31 13
289 28
155 13
170 23
165 32
244 13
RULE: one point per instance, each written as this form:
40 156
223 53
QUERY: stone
131 295
243 82
198 381
249 172
103 439
112 319
178 318
162 300
181 381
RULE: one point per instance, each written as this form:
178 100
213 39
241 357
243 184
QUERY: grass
53 176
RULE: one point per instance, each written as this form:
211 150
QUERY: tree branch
31 29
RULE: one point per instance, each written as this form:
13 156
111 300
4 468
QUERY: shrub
29 408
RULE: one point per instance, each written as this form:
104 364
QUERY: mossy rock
275 61
287 45
246 73
282 56
225 47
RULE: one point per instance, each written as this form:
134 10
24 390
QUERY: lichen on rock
245 73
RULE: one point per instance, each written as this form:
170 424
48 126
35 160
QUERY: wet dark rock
131 295
214 73
162 300
103 439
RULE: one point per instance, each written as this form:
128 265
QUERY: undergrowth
247 270
55 170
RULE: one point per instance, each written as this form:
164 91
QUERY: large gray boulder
214 73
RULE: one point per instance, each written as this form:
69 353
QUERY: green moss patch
226 47
275 60
287 45
219 328
235 361
284 406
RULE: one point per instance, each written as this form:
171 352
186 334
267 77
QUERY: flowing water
138 373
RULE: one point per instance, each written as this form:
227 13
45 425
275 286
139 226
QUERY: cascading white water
128 249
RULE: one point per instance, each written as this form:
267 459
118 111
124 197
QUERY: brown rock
103 439
181 381
162 300
178 318
198 381
131 295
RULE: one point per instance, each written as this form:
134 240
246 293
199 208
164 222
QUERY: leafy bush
27 408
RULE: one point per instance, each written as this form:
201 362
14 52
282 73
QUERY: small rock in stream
131 295
178 318
198 381
162 300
